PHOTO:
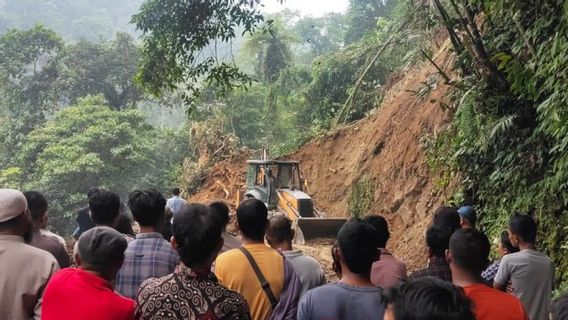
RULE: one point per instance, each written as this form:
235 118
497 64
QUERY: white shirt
175 204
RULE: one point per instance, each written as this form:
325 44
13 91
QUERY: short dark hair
381 227
252 216
280 229
197 233
356 240
92 191
36 203
104 206
175 191
559 308
438 239
523 226
506 242
428 298
470 250
147 207
221 210
447 216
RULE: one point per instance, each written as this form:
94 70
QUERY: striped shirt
149 256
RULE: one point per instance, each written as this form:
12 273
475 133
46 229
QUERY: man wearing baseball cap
468 217
25 270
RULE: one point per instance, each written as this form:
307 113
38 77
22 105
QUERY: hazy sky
307 7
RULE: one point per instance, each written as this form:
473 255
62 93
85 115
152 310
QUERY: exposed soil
386 148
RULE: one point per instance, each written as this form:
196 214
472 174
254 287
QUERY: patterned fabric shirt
187 294
437 267
489 274
149 256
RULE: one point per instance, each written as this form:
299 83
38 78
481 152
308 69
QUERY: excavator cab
279 184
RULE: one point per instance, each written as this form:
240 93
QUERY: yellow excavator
280 185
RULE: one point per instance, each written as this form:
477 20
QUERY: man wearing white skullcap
24 270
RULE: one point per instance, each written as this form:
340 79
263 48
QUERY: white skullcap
12 204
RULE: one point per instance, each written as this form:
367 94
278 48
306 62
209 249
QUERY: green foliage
361 196
174 37
363 15
91 145
509 136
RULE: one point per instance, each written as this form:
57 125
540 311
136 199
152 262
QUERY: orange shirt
490 304
235 272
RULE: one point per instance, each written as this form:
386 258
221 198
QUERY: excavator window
260 177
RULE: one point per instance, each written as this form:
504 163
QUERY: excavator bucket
316 227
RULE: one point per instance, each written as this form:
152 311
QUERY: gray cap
101 245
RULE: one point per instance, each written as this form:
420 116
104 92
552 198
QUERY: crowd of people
180 262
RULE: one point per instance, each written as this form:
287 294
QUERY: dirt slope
384 146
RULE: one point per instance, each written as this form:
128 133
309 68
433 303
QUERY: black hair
124 225
147 207
470 250
438 239
36 203
252 216
428 298
523 226
280 229
448 217
356 241
175 191
559 308
221 210
197 233
92 191
104 206
381 228
506 242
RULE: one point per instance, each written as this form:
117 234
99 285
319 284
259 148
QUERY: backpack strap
263 283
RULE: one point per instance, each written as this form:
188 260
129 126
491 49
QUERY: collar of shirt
292 253
384 251
186 271
437 261
10 237
148 235
94 280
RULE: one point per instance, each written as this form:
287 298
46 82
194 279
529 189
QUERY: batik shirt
188 294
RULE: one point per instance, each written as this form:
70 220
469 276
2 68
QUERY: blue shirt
340 301
149 256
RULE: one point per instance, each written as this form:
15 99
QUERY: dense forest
84 102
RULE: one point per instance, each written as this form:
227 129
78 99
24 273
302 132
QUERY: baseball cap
101 245
12 204
467 212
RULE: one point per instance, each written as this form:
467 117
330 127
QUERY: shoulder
152 283
419 273
38 255
229 255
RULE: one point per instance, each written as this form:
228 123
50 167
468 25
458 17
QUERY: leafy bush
361 196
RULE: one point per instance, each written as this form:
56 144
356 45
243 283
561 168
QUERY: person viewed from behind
468 253
24 270
86 292
192 291
437 241
468 217
559 308
530 271
279 236
504 247
427 299
221 211
245 269
175 203
354 296
84 220
388 271
150 255
166 229
447 217
38 211
105 210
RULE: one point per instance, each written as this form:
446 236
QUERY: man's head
522 230
221 211
38 208
382 229
14 213
469 250
101 250
197 236
147 207
427 298
505 246
559 308
357 249
105 208
279 233
438 240
175 191
448 217
468 217
252 219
